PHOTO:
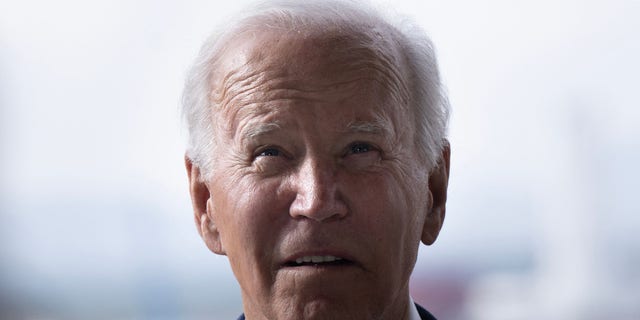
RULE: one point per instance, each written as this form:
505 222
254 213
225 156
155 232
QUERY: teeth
317 259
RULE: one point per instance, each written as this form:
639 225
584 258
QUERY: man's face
317 195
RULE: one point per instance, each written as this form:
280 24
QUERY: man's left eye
360 155
360 147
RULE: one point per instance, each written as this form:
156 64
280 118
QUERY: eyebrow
260 129
369 127
378 128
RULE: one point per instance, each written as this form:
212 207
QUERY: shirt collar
413 312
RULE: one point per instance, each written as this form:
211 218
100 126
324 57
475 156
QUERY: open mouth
318 261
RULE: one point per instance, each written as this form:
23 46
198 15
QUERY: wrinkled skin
315 155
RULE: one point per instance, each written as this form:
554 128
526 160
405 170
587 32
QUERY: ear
438 183
203 208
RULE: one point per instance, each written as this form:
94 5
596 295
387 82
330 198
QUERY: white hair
426 95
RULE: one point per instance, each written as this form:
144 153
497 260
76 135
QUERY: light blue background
95 219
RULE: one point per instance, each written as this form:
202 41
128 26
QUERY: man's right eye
270 152
270 160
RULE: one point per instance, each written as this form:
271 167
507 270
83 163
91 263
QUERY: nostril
317 208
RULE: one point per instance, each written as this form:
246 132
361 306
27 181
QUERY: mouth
318 261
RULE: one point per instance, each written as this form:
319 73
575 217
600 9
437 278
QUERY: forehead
259 68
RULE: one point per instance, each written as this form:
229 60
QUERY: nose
317 193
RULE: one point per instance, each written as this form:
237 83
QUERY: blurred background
543 219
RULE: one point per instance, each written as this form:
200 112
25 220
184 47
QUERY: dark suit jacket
424 314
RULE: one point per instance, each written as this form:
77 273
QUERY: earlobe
438 183
210 233
203 208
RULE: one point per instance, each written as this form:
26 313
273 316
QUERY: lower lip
320 266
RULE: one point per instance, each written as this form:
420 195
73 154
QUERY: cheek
251 219
384 216
380 204
250 229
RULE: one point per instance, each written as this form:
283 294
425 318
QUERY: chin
324 309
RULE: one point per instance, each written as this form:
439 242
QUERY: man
317 159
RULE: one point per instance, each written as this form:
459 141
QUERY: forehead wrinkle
373 51
236 82
264 83
257 89
269 92
249 123
382 69
274 76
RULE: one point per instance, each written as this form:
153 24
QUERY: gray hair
427 97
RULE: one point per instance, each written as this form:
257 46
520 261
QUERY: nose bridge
317 195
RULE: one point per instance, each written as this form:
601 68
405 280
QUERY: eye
361 155
270 160
360 147
269 152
